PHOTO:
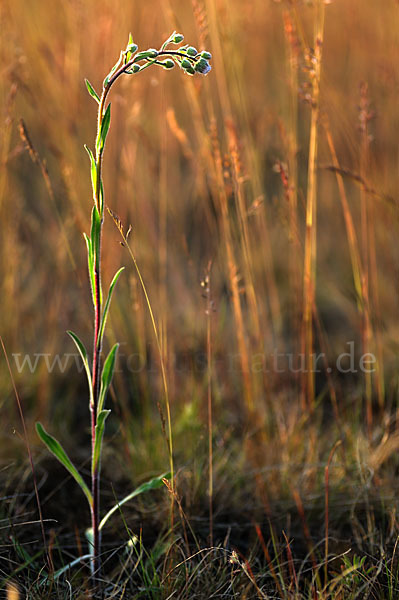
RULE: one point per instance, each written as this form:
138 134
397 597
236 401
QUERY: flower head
202 66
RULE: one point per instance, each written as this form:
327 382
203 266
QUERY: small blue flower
202 66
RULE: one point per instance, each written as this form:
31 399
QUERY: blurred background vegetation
211 172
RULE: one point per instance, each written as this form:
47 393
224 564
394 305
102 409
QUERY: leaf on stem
105 123
57 574
90 263
153 484
106 376
107 303
92 91
95 235
55 447
95 239
83 354
93 172
100 426
101 198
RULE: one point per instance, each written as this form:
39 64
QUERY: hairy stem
97 347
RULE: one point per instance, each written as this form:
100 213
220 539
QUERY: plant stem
209 386
97 347
95 475
309 274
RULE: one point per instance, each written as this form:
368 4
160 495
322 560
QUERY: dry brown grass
227 169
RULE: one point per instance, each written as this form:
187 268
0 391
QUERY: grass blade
55 447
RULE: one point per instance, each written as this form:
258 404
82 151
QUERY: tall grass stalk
233 275
365 248
354 253
36 159
126 244
371 326
309 274
292 45
99 378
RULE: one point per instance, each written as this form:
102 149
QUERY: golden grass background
191 164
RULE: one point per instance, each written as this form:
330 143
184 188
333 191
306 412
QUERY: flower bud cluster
186 57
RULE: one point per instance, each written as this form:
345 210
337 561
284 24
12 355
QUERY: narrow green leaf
108 302
95 234
100 426
92 91
101 198
105 123
153 484
83 354
90 265
93 172
55 447
106 376
71 564
89 248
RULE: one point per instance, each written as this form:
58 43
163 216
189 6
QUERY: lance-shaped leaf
153 484
83 354
92 91
69 566
55 447
95 236
100 426
93 172
106 376
107 304
90 264
102 134
101 203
